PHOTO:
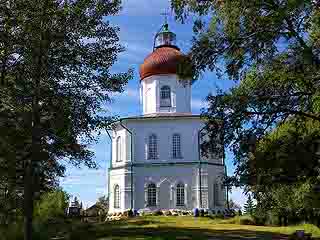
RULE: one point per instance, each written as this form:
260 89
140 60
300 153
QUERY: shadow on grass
106 232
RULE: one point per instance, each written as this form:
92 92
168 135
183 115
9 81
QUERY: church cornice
162 164
157 117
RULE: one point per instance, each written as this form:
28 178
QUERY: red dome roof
163 60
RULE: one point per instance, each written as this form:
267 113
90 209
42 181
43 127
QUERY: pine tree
249 206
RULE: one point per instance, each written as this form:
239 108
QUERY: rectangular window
152 147
180 195
152 195
176 146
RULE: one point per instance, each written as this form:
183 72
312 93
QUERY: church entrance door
164 195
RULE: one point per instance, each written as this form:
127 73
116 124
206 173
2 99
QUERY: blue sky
139 20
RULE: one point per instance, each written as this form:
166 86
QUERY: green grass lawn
161 228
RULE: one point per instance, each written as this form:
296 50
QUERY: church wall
180 94
166 178
149 95
164 129
117 178
125 146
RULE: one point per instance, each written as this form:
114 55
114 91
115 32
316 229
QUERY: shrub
245 220
219 215
260 217
201 213
51 205
157 213
167 213
15 231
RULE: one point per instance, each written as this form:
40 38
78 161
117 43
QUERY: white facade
180 99
155 157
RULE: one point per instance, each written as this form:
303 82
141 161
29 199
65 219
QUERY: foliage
52 205
103 203
249 206
276 83
55 76
270 119
233 205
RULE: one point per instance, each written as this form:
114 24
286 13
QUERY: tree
272 47
249 206
103 203
103 207
52 205
55 75
233 205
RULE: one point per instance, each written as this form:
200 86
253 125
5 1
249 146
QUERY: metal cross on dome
165 14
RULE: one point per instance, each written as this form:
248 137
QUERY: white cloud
77 176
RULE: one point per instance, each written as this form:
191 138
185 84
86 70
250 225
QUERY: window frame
118 149
152 147
151 195
165 96
176 146
116 198
180 195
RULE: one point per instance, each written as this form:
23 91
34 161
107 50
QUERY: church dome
163 60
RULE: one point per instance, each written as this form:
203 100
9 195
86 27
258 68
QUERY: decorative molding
161 164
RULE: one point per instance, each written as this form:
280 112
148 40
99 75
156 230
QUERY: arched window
152 147
176 146
180 195
165 96
152 195
119 150
116 196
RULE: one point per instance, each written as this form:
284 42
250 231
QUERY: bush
201 213
157 213
51 205
15 231
247 221
260 216
219 215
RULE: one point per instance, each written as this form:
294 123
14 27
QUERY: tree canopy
270 118
272 47
55 75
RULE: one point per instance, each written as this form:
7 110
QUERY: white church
156 158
